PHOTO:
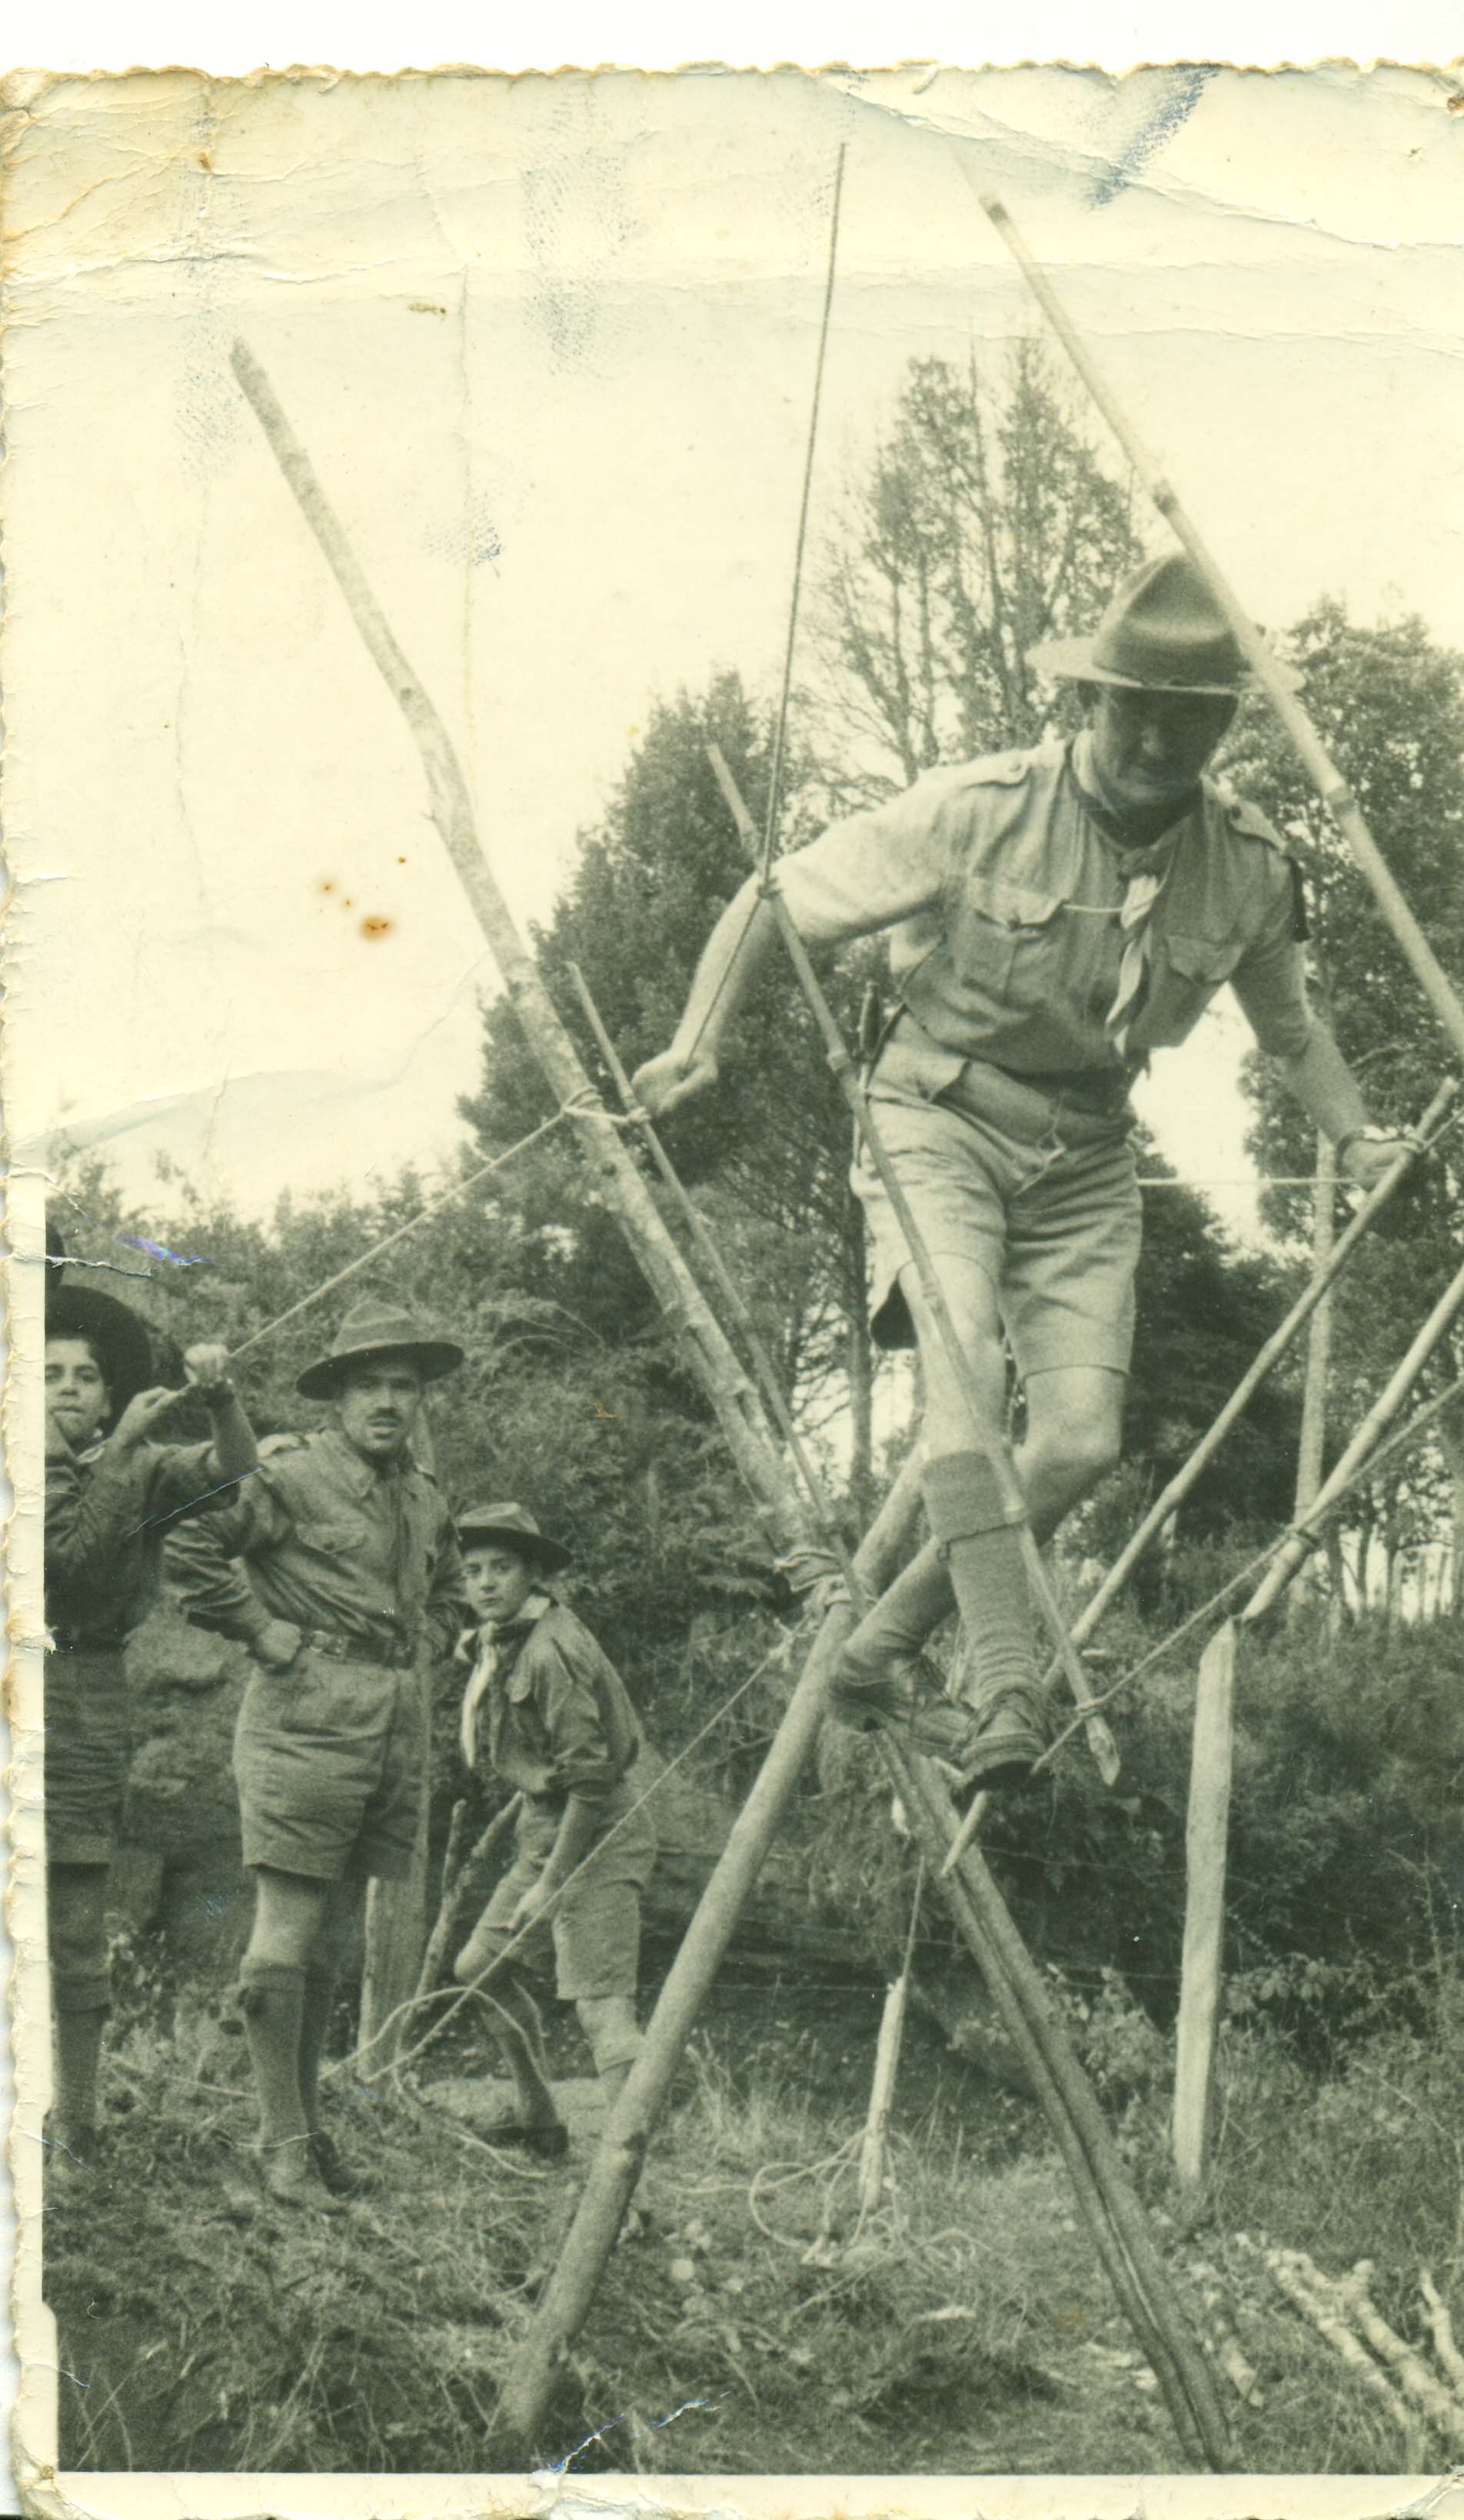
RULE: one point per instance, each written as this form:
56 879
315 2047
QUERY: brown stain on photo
374 928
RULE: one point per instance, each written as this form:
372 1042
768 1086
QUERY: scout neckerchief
1145 872
489 1654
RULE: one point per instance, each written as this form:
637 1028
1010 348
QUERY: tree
986 523
1390 706
770 1151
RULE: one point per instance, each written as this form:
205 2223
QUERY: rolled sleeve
581 1761
875 870
1270 984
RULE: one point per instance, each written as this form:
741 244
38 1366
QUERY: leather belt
388 1652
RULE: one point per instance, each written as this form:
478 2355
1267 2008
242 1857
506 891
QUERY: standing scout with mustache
355 1581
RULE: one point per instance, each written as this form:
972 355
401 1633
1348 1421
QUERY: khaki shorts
86 1752
594 1933
331 1763
1035 1188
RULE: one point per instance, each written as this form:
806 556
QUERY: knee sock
272 2000
517 2033
901 1619
79 2054
984 1552
315 2023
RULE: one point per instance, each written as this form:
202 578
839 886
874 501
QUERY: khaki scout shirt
547 1709
106 1515
1004 895
331 1542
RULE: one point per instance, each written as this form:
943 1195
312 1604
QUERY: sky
550 345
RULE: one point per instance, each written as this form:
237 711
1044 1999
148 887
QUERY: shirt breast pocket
1194 965
1006 940
340 1538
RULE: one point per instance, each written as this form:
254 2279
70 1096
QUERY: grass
744 2324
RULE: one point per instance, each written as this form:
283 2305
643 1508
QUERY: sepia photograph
733 1051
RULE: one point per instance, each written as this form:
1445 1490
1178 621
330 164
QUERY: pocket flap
1013 905
1208 959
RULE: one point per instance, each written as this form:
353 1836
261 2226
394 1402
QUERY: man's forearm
734 953
1323 1084
234 1447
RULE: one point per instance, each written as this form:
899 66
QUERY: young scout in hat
111 1492
1055 916
355 1582
549 1714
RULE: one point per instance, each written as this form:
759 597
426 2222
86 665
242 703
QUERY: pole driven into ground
1332 787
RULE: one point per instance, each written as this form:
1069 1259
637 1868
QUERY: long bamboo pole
722 1275
1376 1423
1334 793
529 2383
1014 1505
1120 2229
1172 1496
736 1404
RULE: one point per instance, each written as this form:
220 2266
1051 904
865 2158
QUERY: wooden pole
462 1884
1206 1844
1172 1496
1014 1505
1333 788
738 1412
1115 2217
1378 1417
531 2380
1312 1440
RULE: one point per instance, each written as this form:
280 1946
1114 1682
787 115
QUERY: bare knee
1066 1458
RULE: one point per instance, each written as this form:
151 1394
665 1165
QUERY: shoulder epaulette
270 1446
999 770
1248 818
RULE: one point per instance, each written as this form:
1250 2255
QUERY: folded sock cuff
280 1975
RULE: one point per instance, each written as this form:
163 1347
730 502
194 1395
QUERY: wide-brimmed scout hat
516 1528
119 1337
1162 632
375 1329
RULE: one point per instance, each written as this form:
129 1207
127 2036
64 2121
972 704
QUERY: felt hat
119 1337
1162 632
373 1327
514 1527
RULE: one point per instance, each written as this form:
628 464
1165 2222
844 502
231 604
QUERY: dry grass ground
742 2326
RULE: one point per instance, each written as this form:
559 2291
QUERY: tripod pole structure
1334 793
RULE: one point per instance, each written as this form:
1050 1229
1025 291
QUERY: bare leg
614 2036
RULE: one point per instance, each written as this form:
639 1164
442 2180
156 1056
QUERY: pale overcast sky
550 345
